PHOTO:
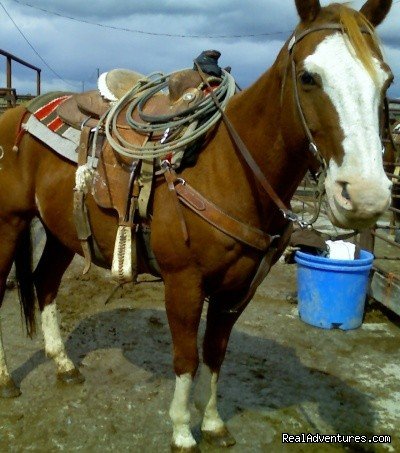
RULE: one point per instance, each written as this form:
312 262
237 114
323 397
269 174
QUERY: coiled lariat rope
202 117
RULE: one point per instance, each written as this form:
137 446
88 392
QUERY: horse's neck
257 117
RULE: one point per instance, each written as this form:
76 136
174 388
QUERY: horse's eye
307 79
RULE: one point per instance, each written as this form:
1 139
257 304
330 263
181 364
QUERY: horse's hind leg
216 337
10 229
184 302
8 389
47 277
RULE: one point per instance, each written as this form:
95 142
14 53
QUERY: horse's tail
24 276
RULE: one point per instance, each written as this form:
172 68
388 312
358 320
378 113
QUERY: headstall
313 148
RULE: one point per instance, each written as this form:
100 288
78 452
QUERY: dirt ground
280 375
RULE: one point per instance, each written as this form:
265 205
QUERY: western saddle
121 182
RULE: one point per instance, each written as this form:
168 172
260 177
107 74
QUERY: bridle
312 146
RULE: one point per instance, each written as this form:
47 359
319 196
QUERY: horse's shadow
259 373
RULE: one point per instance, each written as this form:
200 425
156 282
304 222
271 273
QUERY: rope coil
205 115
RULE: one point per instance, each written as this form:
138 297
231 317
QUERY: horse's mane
351 21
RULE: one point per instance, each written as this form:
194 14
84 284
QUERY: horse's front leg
216 337
184 301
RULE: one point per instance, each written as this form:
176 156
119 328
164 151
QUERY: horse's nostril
345 193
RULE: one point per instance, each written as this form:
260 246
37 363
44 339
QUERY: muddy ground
280 376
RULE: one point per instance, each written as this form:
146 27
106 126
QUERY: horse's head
338 75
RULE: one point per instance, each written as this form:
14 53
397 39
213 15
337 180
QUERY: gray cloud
121 9
75 50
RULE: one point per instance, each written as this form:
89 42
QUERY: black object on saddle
208 62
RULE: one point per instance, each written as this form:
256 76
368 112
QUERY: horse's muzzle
358 204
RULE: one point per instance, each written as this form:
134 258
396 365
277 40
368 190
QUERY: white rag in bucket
341 250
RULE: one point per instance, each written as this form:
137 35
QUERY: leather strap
278 244
21 132
145 182
80 211
214 215
171 178
296 38
83 148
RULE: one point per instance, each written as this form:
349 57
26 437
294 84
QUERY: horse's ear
308 9
376 10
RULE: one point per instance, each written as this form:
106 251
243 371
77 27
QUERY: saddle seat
115 83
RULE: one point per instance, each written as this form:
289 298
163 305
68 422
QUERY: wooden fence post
367 240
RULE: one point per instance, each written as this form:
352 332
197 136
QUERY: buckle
291 44
179 181
313 148
165 165
292 217
165 135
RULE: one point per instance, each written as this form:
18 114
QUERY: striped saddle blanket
46 125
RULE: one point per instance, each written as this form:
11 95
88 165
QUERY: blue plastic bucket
331 293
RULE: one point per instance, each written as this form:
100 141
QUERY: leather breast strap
214 215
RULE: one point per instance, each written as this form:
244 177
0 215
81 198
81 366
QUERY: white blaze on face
356 98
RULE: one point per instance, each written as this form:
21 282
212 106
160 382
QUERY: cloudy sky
74 50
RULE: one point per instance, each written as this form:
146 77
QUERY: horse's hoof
176 449
73 376
9 390
219 438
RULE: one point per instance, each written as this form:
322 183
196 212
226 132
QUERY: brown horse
325 90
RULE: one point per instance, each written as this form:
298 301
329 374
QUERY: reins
287 213
312 147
